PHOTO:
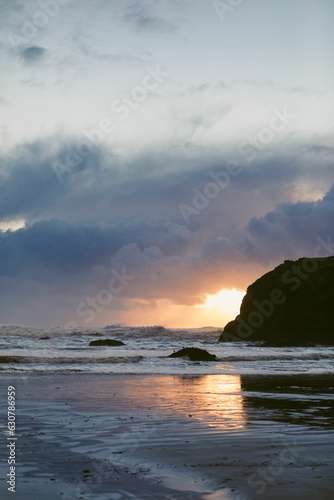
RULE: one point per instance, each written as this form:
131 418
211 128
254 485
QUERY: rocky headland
292 304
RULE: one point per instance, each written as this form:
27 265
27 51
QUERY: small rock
194 354
108 342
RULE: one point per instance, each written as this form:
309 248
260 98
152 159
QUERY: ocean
46 351
130 423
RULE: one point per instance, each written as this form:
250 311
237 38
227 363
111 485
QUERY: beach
208 437
166 250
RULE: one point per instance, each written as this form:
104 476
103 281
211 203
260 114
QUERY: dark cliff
294 303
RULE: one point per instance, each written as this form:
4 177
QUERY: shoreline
168 437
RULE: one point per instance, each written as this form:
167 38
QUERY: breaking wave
68 360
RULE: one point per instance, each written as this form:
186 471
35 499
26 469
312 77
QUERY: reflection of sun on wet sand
212 400
208 437
216 400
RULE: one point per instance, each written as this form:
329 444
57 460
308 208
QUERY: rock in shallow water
194 354
109 342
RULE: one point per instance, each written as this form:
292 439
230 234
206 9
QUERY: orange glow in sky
216 310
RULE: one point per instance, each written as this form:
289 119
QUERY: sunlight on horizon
215 311
226 301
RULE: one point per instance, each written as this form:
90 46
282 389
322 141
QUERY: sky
156 157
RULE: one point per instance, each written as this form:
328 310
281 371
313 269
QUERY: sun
226 302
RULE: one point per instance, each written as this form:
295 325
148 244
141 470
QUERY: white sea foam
146 350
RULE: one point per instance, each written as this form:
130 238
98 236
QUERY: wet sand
212 437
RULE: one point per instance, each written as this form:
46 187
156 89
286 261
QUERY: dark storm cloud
28 185
291 230
294 229
127 211
32 54
57 249
106 187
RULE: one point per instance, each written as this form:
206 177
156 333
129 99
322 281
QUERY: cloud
143 17
293 229
290 231
3 102
62 264
104 186
113 57
28 184
115 211
59 249
11 9
162 253
32 54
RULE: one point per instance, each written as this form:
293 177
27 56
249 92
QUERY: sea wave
279 356
125 332
68 360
